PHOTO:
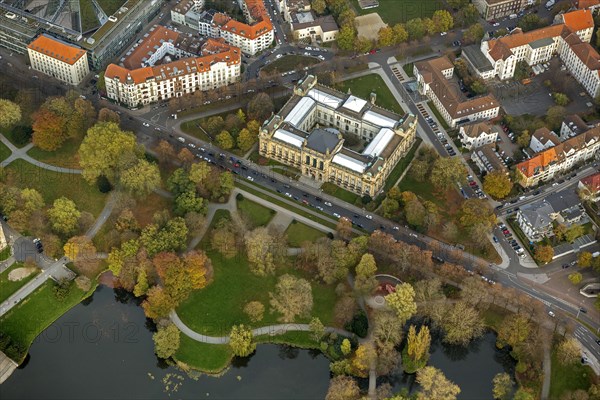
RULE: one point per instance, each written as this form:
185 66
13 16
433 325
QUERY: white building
305 25
543 139
217 66
65 62
477 134
434 80
571 126
545 165
569 38
252 37
491 9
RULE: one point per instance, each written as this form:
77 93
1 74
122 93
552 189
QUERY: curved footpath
271 330
21 153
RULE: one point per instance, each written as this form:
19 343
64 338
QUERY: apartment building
252 37
435 80
543 139
495 9
571 126
61 60
305 25
477 134
308 134
141 80
569 37
545 165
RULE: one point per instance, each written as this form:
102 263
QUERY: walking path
22 154
547 373
271 330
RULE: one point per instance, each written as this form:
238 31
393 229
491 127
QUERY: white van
513 16
182 140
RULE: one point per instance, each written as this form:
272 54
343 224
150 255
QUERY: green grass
88 15
297 339
4 254
438 115
24 322
408 68
110 6
421 189
8 287
4 152
66 156
209 358
216 308
256 214
12 137
192 127
364 85
402 165
568 378
340 193
277 199
53 185
297 233
289 63
395 11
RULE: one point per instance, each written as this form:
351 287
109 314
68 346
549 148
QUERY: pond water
102 349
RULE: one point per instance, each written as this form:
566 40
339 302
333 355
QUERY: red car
236 165
473 183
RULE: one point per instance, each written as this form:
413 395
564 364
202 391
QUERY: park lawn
111 6
4 152
300 339
395 11
66 156
289 63
8 287
364 85
438 115
145 210
340 193
24 322
297 233
402 165
193 128
289 172
568 378
216 308
256 214
205 357
53 185
4 254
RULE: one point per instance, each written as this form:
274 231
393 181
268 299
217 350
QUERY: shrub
359 325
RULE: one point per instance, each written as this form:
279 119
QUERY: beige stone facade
308 134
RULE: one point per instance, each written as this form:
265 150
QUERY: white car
443 33
496 24
192 145
396 228
278 56
337 215
319 208
328 204
412 235
368 216
146 124
251 179
287 194
551 313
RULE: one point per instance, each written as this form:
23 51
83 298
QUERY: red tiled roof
258 12
579 20
66 53
592 182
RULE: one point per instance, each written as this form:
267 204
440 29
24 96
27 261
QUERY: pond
103 348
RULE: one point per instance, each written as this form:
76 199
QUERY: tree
31 200
318 6
317 329
364 356
158 303
442 21
260 107
185 157
476 211
10 113
292 297
108 115
223 239
224 140
344 228
568 351
389 206
343 388
560 99
386 36
387 328
473 34
417 348
263 251
543 253
574 232
365 281
255 310
400 33
474 291
106 150
170 237
82 252
49 130
415 213
346 347
245 140
253 127
530 22
461 323
446 172
415 28
523 394
575 278
524 139
189 201
141 179
165 151
241 341
497 184
514 330
503 386
199 172
554 116
456 4
141 287
346 37
584 259
435 385
362 44
402 301
214 125
166 341
64 216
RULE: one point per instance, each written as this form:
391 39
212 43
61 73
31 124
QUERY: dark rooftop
322 140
